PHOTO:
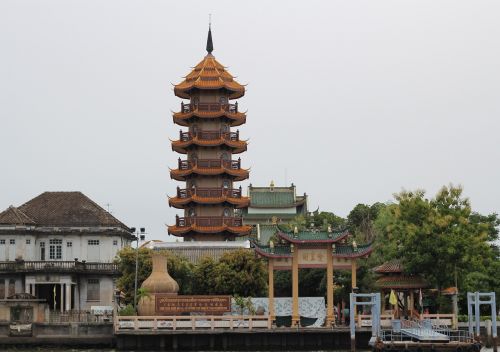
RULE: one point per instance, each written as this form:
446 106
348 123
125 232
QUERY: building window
2 288
93 290
42 250
12 241
55 249
28 241
12 287
93 242
69 244
2 241
115 242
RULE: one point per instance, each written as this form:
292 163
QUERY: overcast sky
350 100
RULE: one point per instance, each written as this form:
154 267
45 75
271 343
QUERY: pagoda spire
210 45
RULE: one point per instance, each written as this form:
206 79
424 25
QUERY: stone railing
22 266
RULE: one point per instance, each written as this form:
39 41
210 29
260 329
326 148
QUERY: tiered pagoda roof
212 139
209 74
208 196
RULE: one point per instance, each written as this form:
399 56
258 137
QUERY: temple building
60 247
209 195
273 205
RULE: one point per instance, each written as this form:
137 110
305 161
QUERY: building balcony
211 107
209 139
209 167
44 266
209 225
209 111
198 195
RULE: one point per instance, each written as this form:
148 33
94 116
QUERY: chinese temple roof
209 74
341 251
237 174
274 197
394 266
180 203
313 236
184 230
237 147
402 282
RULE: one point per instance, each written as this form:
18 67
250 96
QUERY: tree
178 267
440 238
240 272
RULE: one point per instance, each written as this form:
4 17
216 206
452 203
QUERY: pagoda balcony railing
208 221
185 193
209 135
213 107
57 266
209 164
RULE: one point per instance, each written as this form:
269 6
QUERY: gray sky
354 99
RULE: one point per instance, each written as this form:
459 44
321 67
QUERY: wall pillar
62 297
68 296
271 288
295 288
353 274
330 318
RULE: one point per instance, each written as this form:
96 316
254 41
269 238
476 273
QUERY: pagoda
209 196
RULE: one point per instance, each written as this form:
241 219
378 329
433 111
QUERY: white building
60 246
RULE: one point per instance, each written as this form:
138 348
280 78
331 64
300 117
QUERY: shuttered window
93 290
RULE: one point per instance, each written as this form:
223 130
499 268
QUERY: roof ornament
295 230
271 246
354 246
210 45
334 249
271 186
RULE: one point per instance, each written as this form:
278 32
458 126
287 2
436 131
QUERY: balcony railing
185 193
209 164
57 266
208 221
214 107
209 136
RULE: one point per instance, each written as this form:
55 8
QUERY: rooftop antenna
108 205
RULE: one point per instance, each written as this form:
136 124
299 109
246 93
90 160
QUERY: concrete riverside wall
74 334
264 340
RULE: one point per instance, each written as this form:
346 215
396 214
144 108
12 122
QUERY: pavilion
296 250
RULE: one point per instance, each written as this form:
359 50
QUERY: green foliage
178 267
324 219
442 239
244 304
128 310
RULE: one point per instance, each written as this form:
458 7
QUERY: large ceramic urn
159 282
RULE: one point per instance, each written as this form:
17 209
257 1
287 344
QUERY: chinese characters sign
176 305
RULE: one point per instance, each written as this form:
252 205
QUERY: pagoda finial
210 45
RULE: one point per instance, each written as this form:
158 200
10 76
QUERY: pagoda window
224 128
225 156
193 156
223 100
191 212
225 183
226 213
194 130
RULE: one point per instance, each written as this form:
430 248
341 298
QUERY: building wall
292 210
106 295
28 247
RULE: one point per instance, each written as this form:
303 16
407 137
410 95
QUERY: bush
128 310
